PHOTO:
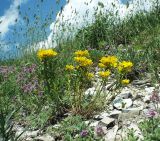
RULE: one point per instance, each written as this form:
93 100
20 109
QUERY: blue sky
29 9
14 22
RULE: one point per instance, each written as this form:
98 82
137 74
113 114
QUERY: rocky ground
130 106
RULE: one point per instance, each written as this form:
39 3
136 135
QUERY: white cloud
11 14
74 16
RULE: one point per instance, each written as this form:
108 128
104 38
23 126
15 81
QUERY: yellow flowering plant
125 66
80 78
48 63
109 61
104 74
46 53
83 61
70 67
83 73
123 69
90 75
125 81
82 53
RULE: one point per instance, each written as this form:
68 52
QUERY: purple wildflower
84 133
151 113
99 131
155 97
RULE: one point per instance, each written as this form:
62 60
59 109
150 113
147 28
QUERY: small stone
108 122
147 99
139 96
56 126
27 134
122 103
125 94
44 138
129 113
111 134
115 113
101 116
133 110
138 103
118 138
149 90
87 122
128 123
140 82
94 124
29 139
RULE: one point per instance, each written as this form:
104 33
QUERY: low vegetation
38 89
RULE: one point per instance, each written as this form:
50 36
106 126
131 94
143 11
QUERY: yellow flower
125 81
77 67
81 53
70 67
109 61
83 61
44 53
125 66
89 75
101 65
104 74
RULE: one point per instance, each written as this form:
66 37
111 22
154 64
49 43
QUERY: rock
140 82
111 134
125 94
107 121
129 113
27 134
118 138
101 116
115 113
149 90
120 103
29 139
45 137
147 99
56 126
94 124
150 106
133 110
138 103
104 114
87 122
139 96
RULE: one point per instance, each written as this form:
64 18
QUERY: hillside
101 84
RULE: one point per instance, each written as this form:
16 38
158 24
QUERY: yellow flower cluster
83 61
125 81
70 67
89 75
81 53
125 66
109 61
101 65
104 74
45 53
